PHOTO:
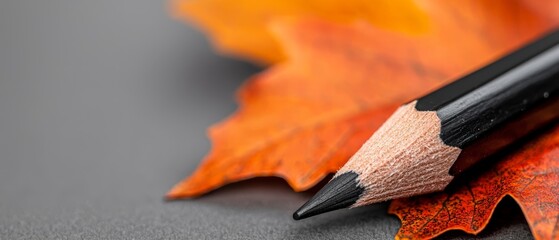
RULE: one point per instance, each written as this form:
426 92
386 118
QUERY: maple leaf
529 175
241 27
303 119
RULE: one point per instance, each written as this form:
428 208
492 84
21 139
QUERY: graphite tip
341 192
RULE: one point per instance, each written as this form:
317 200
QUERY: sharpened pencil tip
341 192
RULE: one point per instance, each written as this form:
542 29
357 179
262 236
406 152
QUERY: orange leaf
530 175
303 119
241 27
547 8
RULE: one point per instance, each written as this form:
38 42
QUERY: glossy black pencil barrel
428 141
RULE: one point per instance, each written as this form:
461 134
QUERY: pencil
427 142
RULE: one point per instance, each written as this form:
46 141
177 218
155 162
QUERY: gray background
104 106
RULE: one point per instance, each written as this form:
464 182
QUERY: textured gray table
104 106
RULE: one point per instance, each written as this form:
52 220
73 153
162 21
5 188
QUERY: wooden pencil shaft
484 118
504 136
518 90
439 98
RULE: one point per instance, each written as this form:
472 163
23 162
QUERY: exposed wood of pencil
408 141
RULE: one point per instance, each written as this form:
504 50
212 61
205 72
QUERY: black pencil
427 142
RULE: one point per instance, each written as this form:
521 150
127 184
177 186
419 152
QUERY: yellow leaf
240 27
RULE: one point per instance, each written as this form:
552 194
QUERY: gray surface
104 106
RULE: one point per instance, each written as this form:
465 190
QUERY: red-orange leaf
530 175
303 119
